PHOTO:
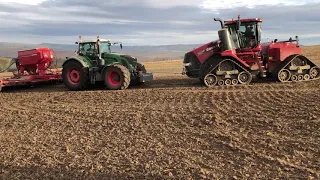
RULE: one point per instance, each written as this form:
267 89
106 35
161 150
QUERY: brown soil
169 128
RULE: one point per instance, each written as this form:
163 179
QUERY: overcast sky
152 22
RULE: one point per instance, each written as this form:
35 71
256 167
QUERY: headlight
186 64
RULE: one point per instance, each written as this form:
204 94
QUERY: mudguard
104 68
83 61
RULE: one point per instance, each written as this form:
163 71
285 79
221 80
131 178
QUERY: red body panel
280 50
28 79
243 20
276 52
205 51
233 53
35 59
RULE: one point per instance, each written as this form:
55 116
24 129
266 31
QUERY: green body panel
86 62
125 60
109 58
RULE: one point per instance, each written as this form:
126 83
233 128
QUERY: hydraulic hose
13 61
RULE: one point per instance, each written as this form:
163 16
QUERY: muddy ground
171 128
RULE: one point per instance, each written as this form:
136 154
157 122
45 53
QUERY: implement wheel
314 72
284 75
210 80
74 77
117 77
244 77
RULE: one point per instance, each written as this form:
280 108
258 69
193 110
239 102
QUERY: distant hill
143 53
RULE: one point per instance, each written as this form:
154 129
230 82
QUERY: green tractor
94 62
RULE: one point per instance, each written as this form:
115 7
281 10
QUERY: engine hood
205 51
120 55
132 60
124 56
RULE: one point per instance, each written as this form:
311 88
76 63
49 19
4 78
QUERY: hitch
92 74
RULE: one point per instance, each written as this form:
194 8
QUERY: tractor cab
247 30
95 49
241 34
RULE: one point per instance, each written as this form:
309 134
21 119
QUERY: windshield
249 35
105 47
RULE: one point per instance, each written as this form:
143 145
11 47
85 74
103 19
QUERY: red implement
32 68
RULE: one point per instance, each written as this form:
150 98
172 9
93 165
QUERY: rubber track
217 63
287 62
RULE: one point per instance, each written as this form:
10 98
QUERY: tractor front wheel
117 77
74 77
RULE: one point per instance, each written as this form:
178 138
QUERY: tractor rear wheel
117 77
74 77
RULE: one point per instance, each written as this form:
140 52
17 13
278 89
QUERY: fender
289 58
104 68
230 53
80 60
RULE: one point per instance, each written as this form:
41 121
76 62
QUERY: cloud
151 22
231 4
28 2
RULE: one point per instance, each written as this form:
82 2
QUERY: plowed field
169 128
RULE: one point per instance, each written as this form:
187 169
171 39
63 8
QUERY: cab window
89 49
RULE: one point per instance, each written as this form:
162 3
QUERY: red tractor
238 56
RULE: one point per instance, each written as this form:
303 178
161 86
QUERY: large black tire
116 77
74 76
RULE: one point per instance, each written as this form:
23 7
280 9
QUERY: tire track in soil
169 130
268 98
276 96
264 158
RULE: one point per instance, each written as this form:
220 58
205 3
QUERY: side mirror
238 24
259 33
297 39
76 43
